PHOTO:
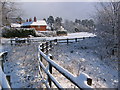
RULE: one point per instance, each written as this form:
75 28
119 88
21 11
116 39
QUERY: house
39 25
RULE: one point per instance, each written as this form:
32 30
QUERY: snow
22 66
37 23
82 57
78 57
15 25
80 81
48 27
70 35
50 75
2 53
3 80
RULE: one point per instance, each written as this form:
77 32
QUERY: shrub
61 32
17 32
48 33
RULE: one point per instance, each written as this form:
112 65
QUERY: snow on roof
15 25
48 27
37 23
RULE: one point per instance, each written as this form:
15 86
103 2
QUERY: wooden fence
5 79
83 81
18 41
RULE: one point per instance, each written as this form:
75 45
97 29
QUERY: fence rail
82 81
57 40
4 79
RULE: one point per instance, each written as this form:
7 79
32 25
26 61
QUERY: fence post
46 47
50 70
11 41
67 41
8 79
50 44
42 47
89 81
28 40
75 39
41 61
55 41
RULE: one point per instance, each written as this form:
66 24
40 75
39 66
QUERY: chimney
30 20
35 19
26 20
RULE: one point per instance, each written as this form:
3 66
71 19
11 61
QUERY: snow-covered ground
22 66
83 57
78 57
70 35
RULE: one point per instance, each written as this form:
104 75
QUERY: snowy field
70 35
22 63
83 57
22 66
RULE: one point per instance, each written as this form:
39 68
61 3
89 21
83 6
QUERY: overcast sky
66 10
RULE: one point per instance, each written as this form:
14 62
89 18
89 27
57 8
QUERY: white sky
66 10
65 0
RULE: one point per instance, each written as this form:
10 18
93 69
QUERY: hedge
17 32
61 32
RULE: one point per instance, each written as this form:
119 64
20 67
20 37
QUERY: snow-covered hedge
17 32
61 32
47 33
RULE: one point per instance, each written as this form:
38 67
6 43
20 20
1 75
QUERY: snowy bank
83 56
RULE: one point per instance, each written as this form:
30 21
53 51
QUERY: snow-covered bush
61 32
17 32
107 26
73 27
48 33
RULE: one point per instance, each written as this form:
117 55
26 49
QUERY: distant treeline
71 26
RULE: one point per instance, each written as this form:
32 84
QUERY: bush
48 33
17 32
61 32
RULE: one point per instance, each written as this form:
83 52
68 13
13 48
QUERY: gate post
8 79
75 39
50 70
11 42
55 41
46 47
50 44
42 47
67 40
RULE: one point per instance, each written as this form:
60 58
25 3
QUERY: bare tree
9 10
107 23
